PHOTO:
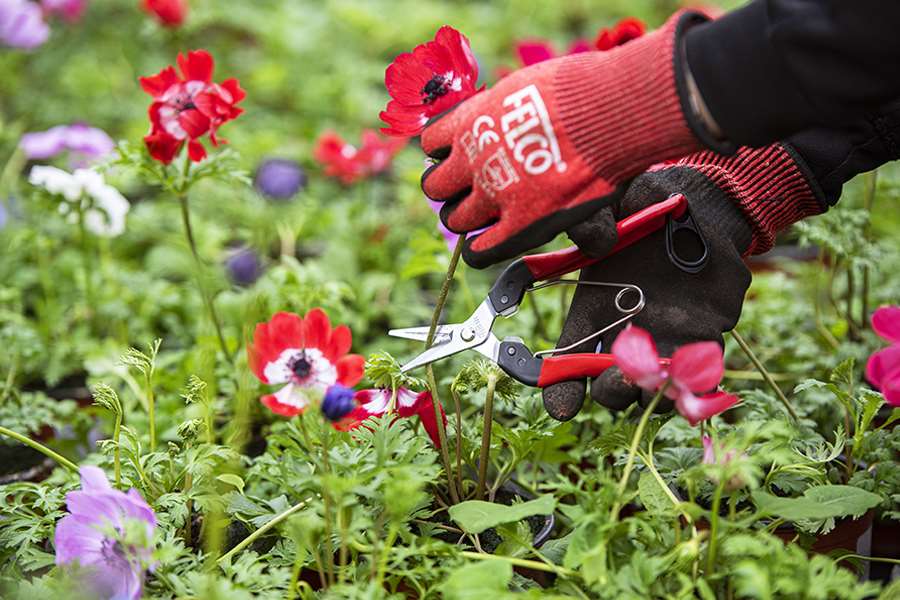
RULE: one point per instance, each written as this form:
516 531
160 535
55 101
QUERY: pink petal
696 409
709 453
886 323
534 51
697 367
881 364
890 387
579 46
636 356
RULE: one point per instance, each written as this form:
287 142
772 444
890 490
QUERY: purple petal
22 24
93 479
41 145
77 539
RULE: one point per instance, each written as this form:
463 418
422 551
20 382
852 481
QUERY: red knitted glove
551 144
772 186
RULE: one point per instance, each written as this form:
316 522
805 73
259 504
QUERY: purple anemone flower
279 178
243 266
108 536
22 24
3 216
86 142
338 402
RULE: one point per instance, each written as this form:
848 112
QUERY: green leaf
476 581
652 496
232 479
817 503
476 516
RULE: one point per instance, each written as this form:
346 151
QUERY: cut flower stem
429 372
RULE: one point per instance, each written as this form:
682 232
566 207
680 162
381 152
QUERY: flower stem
207 299
117 452
40 448
714 529
458 410
151 411
429 371
327 503
259 532
632 451
764 372
385 553
485 455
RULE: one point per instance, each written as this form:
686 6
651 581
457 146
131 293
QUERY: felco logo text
528 135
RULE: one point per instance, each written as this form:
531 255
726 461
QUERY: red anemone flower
348 163
531 52
883 367
306 355
624 31
376 402
694 368
188 106
170 13
432 78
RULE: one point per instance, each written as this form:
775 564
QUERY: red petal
156 85
405 77
234 88
886 323
531 52
162 146
316 330
425 405
285 410
697 367
339 344
696 409
196 151
350 369
636 355
194 123
196 66
460 51
285 331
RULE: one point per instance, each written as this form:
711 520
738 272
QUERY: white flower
102 206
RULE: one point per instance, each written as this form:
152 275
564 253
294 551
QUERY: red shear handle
566 367
573 366
550 265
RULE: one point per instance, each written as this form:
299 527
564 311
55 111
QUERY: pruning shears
529 273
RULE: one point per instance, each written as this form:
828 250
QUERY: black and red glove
552 143
738 203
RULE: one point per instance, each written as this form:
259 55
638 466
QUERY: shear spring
627 312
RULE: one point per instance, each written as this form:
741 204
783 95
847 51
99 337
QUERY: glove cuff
772 186
628 107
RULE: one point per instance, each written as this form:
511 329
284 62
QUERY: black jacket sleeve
777 67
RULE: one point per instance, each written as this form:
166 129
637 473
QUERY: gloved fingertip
563 400
437 136
611 390
597 235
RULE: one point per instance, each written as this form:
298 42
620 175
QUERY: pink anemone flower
883 367
693 369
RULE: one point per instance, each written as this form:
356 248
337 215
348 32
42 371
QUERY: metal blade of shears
475 331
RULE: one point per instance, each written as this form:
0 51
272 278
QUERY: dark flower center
301 366
184 102
436 87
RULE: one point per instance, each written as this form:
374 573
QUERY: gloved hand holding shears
672 266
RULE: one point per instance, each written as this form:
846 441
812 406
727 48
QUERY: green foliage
475 516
